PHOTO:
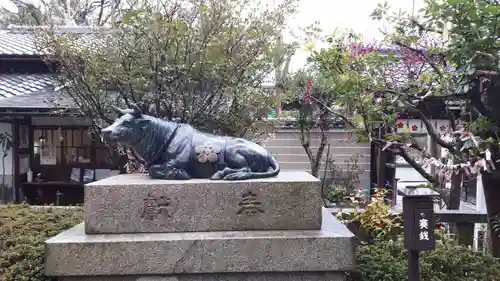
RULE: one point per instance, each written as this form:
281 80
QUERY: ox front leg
168 172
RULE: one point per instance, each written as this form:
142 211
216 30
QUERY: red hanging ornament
308 92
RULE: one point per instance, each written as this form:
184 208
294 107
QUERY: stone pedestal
296 276
266 240
135 203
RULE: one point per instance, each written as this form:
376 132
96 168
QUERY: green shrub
387 261
23 232
22 235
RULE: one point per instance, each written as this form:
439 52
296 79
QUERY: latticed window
71 146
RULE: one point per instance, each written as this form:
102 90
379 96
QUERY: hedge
23 231
387 261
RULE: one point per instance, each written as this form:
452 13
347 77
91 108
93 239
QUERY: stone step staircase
287 149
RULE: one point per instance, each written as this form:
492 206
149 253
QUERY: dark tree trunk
456 188
453 200
381 160
491 186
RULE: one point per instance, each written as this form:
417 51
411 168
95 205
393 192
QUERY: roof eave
39 111
18 57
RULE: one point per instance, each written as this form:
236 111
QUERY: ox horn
118 111
136 109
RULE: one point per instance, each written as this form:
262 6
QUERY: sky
331 14
344 14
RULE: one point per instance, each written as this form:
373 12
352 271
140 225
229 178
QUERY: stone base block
135 203
74 253
294 276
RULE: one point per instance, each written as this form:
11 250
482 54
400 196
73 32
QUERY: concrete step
294 149
317 132
314 142
364 177
292 138
338 158
306 166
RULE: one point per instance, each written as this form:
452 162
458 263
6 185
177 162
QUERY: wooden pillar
434 149
31 144
15 160
390 172
373 166
381 168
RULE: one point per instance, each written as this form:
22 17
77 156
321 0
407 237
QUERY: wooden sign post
418 220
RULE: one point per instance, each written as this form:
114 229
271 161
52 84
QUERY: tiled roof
19 40
45 98
17 44
29 91
20 84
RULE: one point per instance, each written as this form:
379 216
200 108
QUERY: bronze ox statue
177 151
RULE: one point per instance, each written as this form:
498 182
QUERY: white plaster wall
7 163
481 207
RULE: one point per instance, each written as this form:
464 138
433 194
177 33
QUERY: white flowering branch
480 164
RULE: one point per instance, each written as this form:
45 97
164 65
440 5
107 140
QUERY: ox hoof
237 176
216 176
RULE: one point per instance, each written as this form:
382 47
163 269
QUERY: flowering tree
464 68
449 54
343 75
397 74
314 113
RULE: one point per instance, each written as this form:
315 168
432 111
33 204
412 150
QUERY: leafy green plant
387 261
375 222
336 193
22 234
377 217
343 182
347 175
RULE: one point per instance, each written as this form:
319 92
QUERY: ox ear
136 110
117 110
